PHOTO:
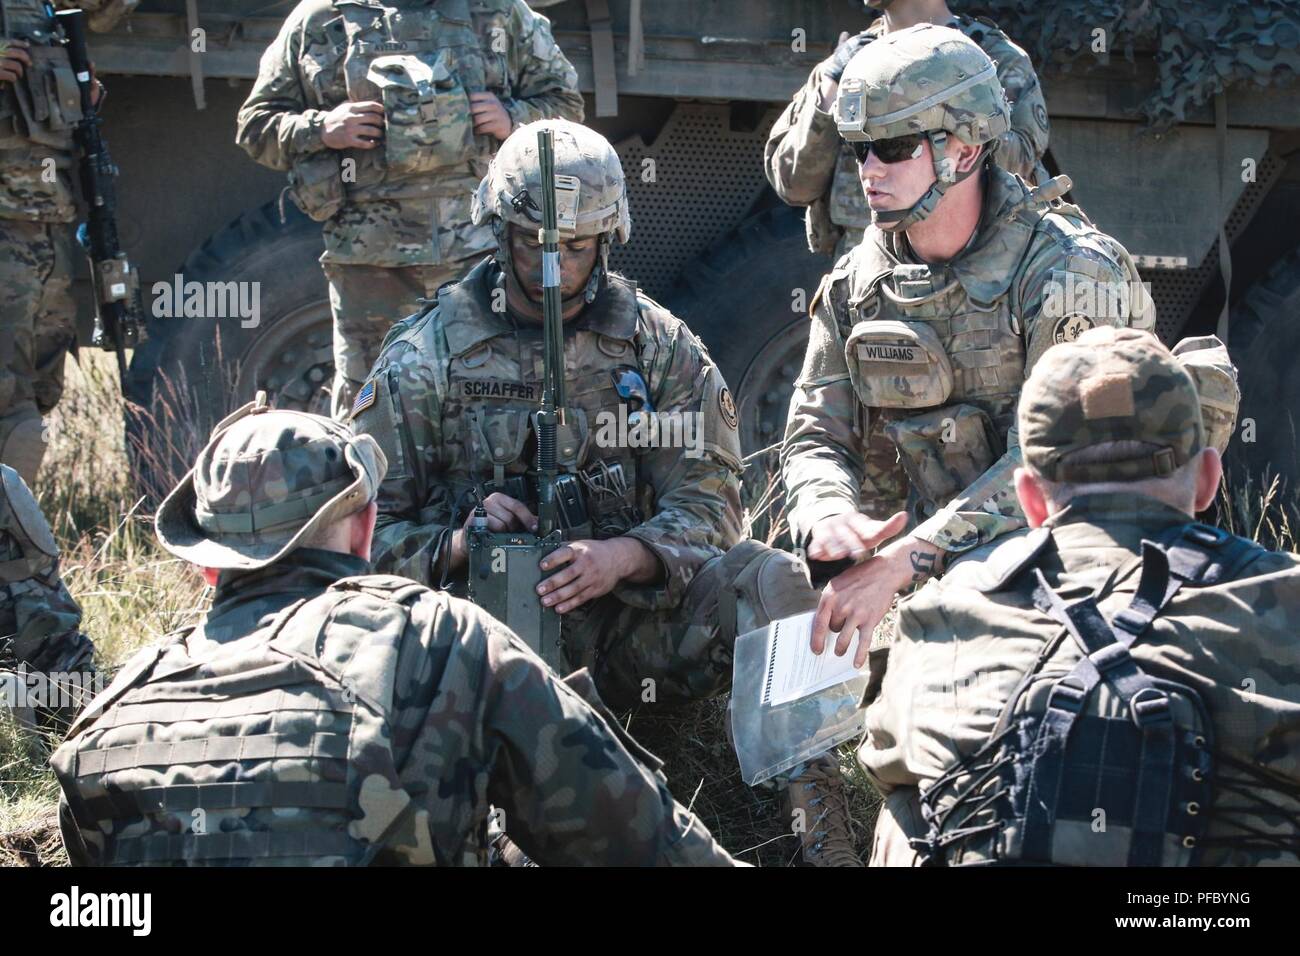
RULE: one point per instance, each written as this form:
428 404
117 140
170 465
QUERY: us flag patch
365 398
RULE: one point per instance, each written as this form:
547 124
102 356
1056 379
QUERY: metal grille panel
1177 292
706 178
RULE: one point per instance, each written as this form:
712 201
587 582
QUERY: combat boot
825 829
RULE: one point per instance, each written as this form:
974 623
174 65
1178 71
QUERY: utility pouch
427 108
896 364
316 185
945 450
48 99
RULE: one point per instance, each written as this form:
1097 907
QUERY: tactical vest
263 752
1094 761
491 389
38 115
421 62
937 360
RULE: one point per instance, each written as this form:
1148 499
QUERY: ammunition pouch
897 364
944 451
316 184
429 125
47 98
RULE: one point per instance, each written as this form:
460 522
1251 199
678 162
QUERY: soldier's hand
591 569
490 117
353 126
856 601
503 514
14 60
851 535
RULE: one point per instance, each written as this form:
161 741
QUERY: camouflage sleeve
821 459
413 530
803 147
74 843
696 488
568 789
1021 148
1075 279
544 82
276 124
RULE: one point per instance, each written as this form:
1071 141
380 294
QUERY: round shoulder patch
27 513
727 406
1070 327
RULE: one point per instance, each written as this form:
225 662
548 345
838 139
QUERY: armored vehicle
1174 119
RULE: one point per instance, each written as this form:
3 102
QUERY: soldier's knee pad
758 584
22 442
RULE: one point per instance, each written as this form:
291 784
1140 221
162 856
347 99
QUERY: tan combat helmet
925 79
591 193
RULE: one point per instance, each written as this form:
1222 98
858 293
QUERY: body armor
936 353
37 117
491 389
1094 761
263 751
421 63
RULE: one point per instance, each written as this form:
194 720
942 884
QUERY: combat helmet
591 193
925 79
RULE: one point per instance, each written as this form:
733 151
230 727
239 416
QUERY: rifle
118 309
503 566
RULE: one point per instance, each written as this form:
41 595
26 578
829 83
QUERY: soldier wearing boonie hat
322 714
1102 653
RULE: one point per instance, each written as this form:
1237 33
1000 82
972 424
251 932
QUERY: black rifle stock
118 310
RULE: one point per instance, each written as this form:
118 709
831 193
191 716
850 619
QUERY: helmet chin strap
902 219
595 282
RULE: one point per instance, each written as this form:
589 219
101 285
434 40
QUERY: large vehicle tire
741 299
1265 334
193 371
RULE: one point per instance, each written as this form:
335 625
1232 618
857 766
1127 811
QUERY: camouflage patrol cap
923 79
591 193
1109 384
266 480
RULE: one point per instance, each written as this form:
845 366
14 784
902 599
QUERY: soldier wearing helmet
451 400
808 165
922 335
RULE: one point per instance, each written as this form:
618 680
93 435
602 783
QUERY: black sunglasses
892 150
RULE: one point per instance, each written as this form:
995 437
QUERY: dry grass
131 592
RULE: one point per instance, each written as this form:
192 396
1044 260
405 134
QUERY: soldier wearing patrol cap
922 335
808 165
46 662
1074 694
451 400
321 714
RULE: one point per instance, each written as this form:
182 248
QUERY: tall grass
131 592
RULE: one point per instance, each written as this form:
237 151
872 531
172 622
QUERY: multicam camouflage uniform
453 393
39 620
909 386
324 715
977 651
808 165
396 217
37 313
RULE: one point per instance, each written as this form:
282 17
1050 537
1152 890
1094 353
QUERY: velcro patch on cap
1107 396
365 398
